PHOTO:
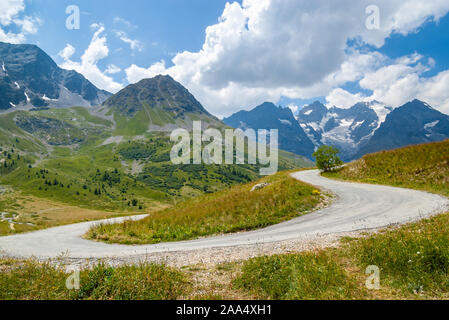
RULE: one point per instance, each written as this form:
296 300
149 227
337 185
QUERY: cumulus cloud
135 73
67 52
88 66
342 98
264 49
397 83
11 15
10 9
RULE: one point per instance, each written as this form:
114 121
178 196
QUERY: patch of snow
48 99
28 98
428 106
308 113
382 112
341 134
346 123
430 125
325 120
308 130
17 85
286 122
12 105
315 126
3 66
357 124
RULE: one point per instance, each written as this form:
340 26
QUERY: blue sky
431 40
163 27
255 51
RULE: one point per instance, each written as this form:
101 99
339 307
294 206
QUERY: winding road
357 207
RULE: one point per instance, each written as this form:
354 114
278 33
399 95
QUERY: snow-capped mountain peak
346 129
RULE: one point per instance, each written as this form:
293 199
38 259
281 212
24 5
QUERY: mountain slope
160 91
81 157
414 123
156 104
30 78
267 116
422 167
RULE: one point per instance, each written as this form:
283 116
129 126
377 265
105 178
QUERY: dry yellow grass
43 213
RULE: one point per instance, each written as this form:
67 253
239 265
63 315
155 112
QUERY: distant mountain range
361 129
347 129
30 78
414 123
267 116
63 139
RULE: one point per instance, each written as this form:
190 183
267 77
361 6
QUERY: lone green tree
327 158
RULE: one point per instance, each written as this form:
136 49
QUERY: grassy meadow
233 210
30 280
413 262
61 166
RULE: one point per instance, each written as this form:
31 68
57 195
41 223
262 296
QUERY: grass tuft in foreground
30 280
296 277
233 210
414 258
413 262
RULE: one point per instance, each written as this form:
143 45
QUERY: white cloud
112 69
134 44
135 74
435 91
126 23
88 67
342 98
11 12
28 24
397 83
67 52
11 37
10 9
264 49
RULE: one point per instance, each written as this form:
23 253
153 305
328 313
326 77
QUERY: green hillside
413 259
74 157
232 210
422 167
